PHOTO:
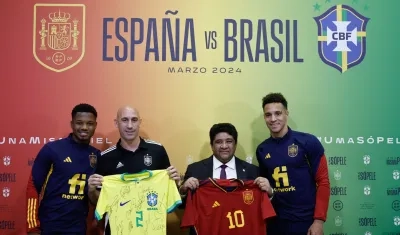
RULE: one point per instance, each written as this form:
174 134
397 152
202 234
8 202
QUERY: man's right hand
94 181
191 183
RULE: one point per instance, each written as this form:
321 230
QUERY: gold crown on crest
59 17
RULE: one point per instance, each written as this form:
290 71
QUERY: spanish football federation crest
93 160
147 159
248 197
293 150
342 37
59 35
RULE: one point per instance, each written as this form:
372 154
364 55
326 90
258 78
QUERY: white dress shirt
230 169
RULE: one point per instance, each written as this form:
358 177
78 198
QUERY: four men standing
292 167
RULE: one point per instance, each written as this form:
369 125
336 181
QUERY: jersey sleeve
263 171
98 155
315 151
165 157
102 204
267 209
39 173
323 190
190 214
319 170
174 198
100 167
32 220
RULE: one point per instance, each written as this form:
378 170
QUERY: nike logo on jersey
123 203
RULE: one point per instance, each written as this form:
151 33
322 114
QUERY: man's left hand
173 174
317 228
264 185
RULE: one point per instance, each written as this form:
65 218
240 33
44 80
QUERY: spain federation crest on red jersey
59 35
248 197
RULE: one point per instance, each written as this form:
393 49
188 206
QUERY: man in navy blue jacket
296 167
57 201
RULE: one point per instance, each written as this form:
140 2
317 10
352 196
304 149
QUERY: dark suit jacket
203 169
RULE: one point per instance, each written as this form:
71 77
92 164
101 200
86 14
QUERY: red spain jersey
227 207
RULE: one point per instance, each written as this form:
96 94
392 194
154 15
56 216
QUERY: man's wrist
319 221
92 189
270 192
182 190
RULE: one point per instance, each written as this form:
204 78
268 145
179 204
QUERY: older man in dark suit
222 164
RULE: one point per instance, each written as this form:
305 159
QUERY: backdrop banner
187 65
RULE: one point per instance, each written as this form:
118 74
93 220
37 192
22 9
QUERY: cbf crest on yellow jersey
138 203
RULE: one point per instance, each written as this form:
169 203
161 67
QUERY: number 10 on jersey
236 219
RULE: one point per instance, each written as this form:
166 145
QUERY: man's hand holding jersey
174 174
264 185
95 181
191 183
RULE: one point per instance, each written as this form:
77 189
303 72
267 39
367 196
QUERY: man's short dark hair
223 127
274 98
83 108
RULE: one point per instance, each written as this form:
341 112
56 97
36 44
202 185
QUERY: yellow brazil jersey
138 203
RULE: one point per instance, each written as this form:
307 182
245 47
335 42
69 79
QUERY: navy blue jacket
290 164
57 199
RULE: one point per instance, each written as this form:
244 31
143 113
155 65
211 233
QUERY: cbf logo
59 35
338 221
6 192
367 190
341 37
337 174
152 198
7 160
396 220
366 159
396 175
